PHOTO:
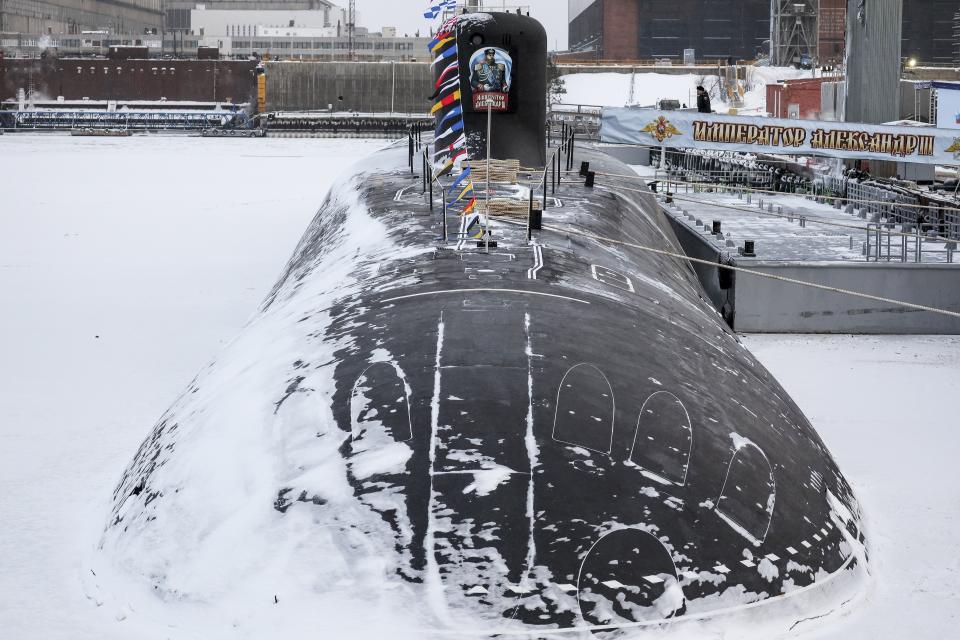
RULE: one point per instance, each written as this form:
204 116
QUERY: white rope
759 274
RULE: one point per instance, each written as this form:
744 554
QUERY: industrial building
213 16
790 31
50 17
646 29
308 30
928 32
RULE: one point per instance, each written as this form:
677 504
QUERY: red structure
796 98
648 29
833 31
100 79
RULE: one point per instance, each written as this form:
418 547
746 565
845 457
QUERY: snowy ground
121 279
613 89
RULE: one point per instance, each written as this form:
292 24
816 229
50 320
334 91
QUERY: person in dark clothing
703 100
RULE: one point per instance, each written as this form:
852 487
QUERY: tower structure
794 31
352 28
873 61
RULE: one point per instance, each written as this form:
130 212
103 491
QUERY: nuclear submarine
472 427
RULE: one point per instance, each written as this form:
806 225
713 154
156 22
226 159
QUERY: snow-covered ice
125 265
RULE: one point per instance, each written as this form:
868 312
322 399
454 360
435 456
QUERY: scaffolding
794 32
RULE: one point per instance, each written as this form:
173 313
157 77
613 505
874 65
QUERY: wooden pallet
500 171
506 207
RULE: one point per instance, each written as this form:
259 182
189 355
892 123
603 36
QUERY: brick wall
805 93
620 28
833 30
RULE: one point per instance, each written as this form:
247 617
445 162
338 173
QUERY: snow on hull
413 439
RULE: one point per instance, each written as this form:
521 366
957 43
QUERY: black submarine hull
578 440
550 436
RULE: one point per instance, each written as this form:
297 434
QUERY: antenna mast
351 29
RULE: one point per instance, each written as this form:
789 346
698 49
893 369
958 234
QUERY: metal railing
872 200
692 166
563 153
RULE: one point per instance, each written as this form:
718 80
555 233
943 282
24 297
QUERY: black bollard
584 168
590 177
716 227
536 219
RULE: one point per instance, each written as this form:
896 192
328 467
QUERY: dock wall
762 305
101 79
754 304
394 87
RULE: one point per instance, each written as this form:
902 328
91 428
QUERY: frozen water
125 265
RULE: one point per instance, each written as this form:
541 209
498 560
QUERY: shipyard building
647 29
54 17
790 31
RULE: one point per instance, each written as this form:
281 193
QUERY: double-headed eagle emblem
954 149
661 129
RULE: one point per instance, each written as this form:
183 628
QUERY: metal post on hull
560 158
443 200
543 183
426 164
529 216
486 214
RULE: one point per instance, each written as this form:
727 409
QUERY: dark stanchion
430 182
554 162
443 199
544 183
410 148
573 147
530 217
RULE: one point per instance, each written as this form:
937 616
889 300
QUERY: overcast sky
407 15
